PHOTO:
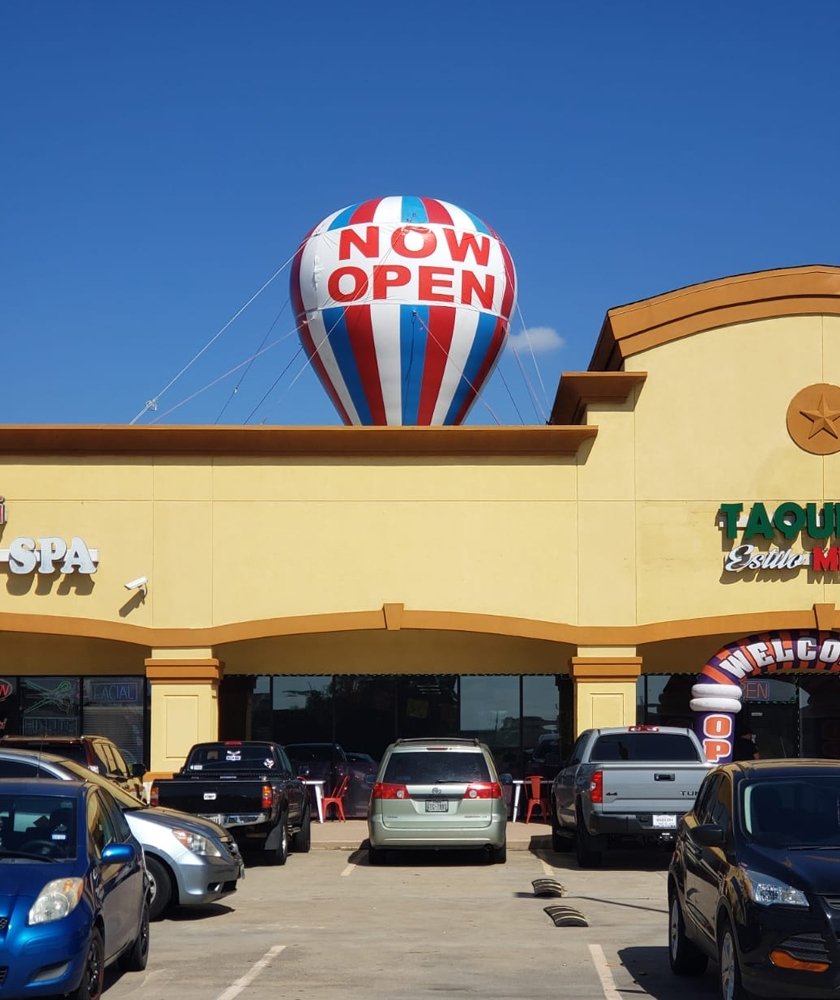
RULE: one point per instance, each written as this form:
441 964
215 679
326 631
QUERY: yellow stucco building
517 582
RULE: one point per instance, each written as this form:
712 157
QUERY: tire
587 855
376 856
93 976
135 959
280 854
729 967
161 888
302 840
560 839
498 855
685 957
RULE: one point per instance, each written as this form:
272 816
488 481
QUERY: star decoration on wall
823 418
813 419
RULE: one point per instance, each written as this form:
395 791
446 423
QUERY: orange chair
336 799
533 783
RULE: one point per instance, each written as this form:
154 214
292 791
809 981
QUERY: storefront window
113 707
302 709
50 706
9 706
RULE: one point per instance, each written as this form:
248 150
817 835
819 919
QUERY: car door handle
664 777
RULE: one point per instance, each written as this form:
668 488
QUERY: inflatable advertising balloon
402 305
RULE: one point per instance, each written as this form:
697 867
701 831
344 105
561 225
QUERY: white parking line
347 871
599 960
251 974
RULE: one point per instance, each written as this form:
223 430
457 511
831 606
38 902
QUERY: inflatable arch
716 697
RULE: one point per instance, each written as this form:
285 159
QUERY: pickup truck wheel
587 855
560 838
161 888
280 854
685 957
302 840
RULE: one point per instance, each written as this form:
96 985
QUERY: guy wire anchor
548 887
566 916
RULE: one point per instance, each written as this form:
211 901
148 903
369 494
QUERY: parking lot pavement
327 925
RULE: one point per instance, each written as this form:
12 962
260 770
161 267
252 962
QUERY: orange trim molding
742 298
291 442
576 389
596 668
184 671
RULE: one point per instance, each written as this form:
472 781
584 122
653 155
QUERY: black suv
754 881
96 752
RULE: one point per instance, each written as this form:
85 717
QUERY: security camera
141 581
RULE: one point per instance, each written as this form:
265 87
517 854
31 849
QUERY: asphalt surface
329 926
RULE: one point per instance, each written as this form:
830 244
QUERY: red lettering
389 276
716 750
359 281
718 725
428 243
470 285
367 245
827 561
480 246
433 281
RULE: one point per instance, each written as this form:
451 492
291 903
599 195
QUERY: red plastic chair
533 783
336 799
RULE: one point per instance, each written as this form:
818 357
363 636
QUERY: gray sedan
190 860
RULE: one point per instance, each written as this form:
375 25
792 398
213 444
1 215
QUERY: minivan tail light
483 790
154 795
267 796
385 790
596 787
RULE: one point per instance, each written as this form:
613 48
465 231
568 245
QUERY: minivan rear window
434 767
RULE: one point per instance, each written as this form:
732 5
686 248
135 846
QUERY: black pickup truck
248 787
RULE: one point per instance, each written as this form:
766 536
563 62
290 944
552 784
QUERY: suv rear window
431 767
643 747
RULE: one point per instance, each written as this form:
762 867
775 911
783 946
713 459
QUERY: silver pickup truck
633 781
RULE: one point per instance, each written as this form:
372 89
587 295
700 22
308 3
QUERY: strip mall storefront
665 549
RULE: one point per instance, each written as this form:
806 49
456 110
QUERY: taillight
596 787
267 796
483 790
153 795
383 790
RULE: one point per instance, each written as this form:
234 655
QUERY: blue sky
161 160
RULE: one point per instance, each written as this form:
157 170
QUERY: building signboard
818 523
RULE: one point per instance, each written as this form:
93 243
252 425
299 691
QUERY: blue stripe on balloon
475 359
343 218
479 225
413 210
339 337
414 327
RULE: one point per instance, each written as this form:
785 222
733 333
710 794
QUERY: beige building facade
592 552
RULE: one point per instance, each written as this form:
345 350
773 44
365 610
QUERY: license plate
665 822
437 805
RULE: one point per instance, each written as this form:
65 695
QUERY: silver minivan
437 794
190 860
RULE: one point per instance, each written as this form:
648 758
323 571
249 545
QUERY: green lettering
814 528
789 519
731 512
758 523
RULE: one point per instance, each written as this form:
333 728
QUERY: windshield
40 825
125 800
793 812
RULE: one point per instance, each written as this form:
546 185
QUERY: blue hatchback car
74 893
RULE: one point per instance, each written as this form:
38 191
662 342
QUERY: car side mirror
370 779
709 835
506 779
137 770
